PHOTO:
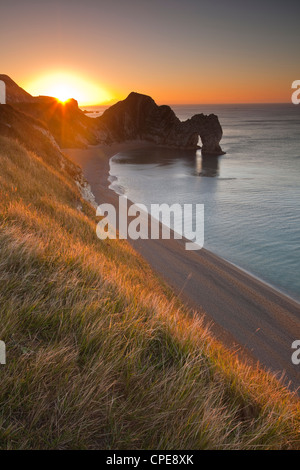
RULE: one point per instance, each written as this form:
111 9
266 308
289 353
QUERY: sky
177 51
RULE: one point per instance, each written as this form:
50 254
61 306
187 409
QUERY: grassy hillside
100 354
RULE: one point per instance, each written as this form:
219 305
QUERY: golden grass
100 354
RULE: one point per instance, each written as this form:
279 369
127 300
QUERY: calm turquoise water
251 195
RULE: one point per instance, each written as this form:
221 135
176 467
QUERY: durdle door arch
2 92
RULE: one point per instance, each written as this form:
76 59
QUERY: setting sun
64 86
62 92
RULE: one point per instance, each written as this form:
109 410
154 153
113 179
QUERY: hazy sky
177 51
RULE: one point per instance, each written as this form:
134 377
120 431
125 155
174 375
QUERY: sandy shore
248 316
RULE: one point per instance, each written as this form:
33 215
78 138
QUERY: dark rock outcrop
139 117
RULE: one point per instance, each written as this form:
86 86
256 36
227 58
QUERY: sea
251 195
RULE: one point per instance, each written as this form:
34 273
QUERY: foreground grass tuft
100 354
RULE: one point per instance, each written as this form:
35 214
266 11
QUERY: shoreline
286 293
237 306
249 273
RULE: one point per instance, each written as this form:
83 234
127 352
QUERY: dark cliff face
139 117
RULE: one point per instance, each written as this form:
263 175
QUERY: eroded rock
139 117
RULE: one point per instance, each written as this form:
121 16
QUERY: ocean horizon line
197 104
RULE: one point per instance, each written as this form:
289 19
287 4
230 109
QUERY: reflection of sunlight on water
198 162
206 166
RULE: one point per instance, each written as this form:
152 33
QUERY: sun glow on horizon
64 86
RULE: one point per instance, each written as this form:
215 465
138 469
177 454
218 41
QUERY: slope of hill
14 93
67 123
96 358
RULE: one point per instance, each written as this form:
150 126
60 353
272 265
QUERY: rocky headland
137 117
